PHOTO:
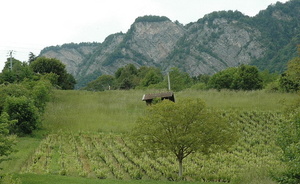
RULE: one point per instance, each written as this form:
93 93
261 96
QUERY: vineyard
114 156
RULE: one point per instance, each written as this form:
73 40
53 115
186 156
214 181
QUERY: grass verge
50 179
25 148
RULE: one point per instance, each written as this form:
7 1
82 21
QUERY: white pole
169 83
10 53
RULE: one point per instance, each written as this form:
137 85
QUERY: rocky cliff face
155 40
214 46
213 43
72 55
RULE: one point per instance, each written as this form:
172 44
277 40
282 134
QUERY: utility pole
10 54
169 83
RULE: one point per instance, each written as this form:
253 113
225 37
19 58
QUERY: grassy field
109 111
242 100
115 112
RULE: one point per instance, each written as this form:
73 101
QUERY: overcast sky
31 25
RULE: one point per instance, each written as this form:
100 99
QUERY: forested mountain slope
216 41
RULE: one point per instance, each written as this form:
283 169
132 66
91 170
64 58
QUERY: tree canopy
179 80
19 72
290 80
182 129
44 65
24 103
244 77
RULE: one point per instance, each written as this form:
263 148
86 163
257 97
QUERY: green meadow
116 111
74 119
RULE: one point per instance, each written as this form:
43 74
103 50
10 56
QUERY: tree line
35 69
244 77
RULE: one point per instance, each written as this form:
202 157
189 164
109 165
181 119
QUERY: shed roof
157 95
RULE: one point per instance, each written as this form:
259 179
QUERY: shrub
41 94
24 111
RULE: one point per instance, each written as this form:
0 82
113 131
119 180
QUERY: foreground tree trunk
180 168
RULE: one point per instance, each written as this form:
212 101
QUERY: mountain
216 41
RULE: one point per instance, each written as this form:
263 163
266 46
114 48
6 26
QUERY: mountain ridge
212 43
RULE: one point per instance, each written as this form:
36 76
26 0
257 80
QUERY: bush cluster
25 89
25 103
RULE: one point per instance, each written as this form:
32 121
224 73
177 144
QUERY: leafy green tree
16 90
244 77
44 65
51 77
151 18
143 70
290 80
247 78
127 77
152 77
268 78
127 83
179 80
223 79
7 141
31 58
24 111
24 102
40 93
201 78
7 76
20 71
68 81
48 65
182 129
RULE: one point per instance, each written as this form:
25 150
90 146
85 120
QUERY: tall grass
109 111
117 111
242 100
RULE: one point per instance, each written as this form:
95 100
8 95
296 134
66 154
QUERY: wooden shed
165 95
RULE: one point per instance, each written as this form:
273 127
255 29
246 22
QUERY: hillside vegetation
85 135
